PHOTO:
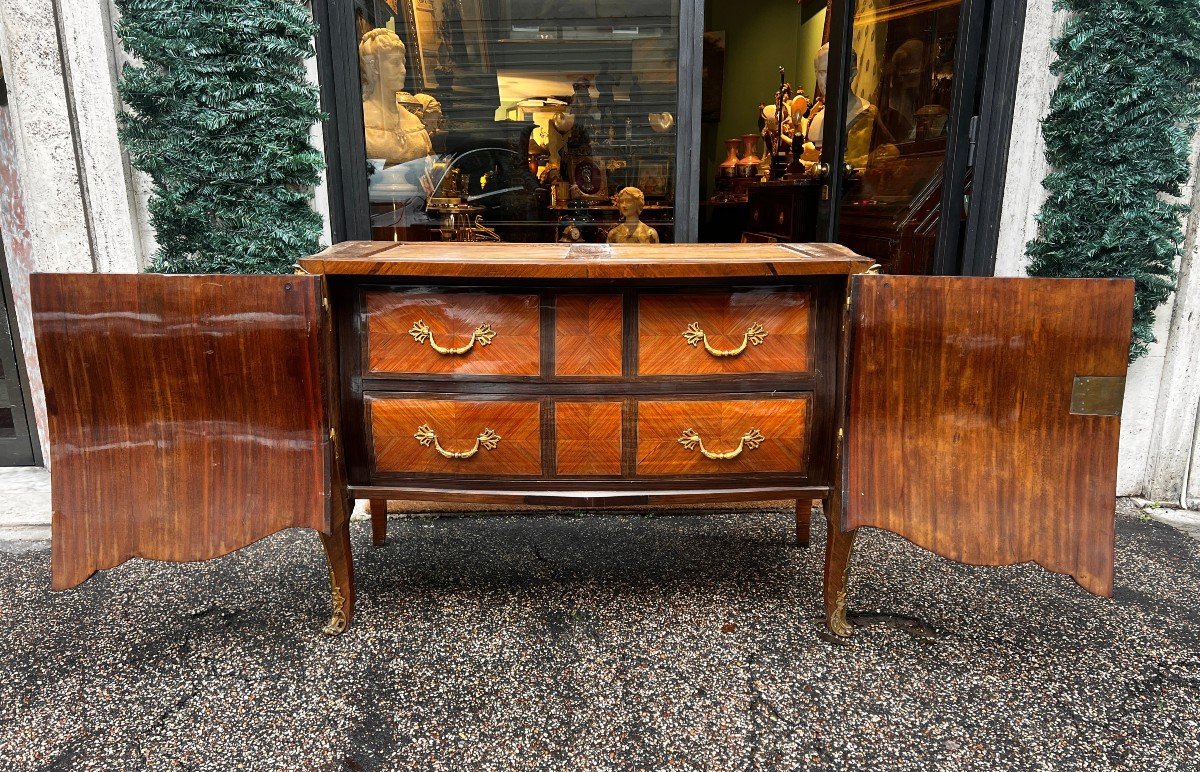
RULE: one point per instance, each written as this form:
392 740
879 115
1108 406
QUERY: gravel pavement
602 642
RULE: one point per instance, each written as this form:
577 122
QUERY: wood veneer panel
720 424
724 318
590 261
394 421
960 434
452 319
587 438
587 335
187 414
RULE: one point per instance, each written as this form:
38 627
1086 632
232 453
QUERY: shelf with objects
510 120
763 134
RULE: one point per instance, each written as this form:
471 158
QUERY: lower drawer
720 437
454 436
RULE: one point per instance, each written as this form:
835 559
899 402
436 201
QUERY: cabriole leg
378 521
341 570
803 521
837 567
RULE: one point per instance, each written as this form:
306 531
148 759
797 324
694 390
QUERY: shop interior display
897 96
533 115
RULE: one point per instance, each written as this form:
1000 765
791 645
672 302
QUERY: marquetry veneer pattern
452 319
725 318
587 335
587 438
395 422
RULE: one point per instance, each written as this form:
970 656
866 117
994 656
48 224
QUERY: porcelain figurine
630 202
392 132
861 115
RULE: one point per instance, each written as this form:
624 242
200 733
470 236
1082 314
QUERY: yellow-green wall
760 36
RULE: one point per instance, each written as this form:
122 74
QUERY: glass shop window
761 182
897 111
520 120
759 56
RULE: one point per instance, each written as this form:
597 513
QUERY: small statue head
381 61
630 202
821 66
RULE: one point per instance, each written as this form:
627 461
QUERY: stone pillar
1158 397
1174 437
64 164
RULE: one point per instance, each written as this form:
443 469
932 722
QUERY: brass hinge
841 435
325 304
1097 395
333 435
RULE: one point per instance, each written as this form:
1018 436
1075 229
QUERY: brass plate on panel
1097 395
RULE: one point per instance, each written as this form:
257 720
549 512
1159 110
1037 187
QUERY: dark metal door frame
21 447
987 57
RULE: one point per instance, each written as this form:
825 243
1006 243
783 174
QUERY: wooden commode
585 376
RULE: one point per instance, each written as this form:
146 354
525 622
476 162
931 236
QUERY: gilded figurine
630 202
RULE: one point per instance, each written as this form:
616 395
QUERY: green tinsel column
1118 139
219 117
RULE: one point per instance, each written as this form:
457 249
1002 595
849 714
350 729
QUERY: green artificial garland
1118 138
219 116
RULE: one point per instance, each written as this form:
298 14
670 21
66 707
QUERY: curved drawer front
716 333
732 436
454 436
461 333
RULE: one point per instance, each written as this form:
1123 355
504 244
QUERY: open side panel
187 414
984 417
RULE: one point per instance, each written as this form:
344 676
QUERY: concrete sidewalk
24 507
607 642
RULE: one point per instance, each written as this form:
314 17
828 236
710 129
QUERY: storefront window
897 111
519 120
765 179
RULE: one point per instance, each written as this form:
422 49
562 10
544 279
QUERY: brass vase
748 165
728 167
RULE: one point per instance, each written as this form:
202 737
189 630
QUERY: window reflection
897 109
518 120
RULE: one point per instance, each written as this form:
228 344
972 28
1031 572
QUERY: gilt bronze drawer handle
483 336
426 436
751 439
755 334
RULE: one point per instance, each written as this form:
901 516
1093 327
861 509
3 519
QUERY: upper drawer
713 333
462 333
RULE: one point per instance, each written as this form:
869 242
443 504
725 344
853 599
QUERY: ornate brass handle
755 334
483 336
751 439
426 436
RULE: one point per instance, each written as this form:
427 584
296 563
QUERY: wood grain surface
585 261
783 423
457 422
187 414
452 318
587 335
960 436
587 438
724 317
